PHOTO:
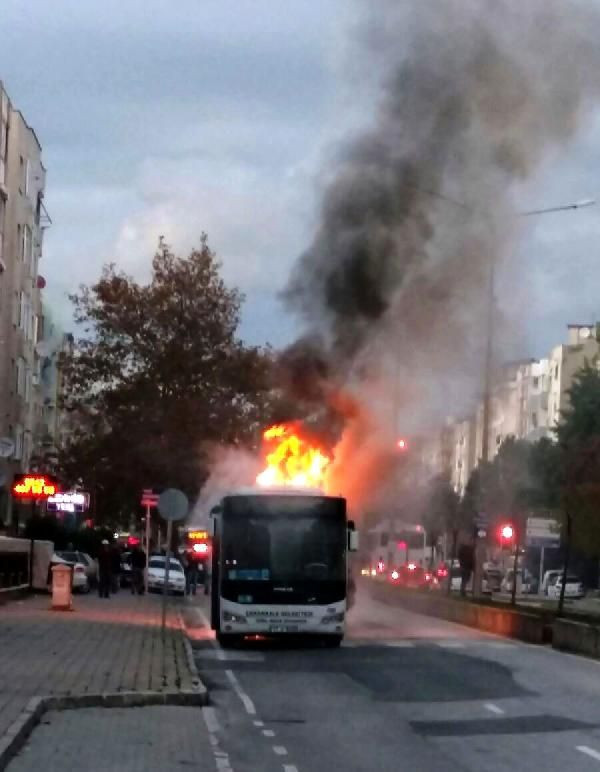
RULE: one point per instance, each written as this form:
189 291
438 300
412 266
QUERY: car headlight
339 617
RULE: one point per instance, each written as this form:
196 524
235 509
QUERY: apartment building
23 219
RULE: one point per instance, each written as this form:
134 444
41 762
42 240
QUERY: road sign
173 504
149 499
542 532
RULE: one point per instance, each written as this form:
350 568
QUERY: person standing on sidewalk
104 569
138 565
115 573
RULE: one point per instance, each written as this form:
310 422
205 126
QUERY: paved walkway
153 739
102 646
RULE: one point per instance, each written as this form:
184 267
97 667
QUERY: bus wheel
228 640
332 641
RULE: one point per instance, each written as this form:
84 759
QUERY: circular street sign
173 504
7 447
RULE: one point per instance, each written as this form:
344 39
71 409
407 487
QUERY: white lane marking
290 768
258 723
280 750
348 644
237 688
450 644
210 719
499 645
400 644
588 751
493 708
268 733
230 656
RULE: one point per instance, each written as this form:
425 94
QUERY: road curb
189 653
17 734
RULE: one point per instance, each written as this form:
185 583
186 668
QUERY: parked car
75 556
156 575
573 588
80 580
549 579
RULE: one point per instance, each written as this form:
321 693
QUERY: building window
536 381
18 454
27 246
556 371
20 377
534 421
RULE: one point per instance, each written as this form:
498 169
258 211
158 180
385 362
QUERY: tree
444 514
577 467
157 378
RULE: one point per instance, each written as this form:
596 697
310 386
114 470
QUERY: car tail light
395 575
411 567
427 577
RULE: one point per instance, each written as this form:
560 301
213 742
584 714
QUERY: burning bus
280 550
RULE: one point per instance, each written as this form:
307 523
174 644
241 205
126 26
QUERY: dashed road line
588 751
210 719
280 750
400 644
212 724
258 723
493 708
450 644
246 701
290 768
268 733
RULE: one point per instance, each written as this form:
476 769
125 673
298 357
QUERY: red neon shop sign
32 486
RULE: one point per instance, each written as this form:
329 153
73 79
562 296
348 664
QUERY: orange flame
291 459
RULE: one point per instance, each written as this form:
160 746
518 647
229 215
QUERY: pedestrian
104 569
115 574
138 566
191 576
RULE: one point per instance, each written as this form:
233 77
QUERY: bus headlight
333 618
228 617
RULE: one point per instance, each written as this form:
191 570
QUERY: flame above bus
292 459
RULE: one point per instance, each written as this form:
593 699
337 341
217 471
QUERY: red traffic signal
507 532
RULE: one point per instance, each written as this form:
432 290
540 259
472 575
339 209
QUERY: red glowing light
412 567
401 545
402 444
33 487
507 532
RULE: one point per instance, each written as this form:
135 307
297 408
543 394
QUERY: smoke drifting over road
474 95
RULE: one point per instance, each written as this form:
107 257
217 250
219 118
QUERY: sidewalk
104 646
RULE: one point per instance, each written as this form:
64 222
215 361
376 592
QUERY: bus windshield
284 540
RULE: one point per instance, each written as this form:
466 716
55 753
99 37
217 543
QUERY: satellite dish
7 447
42 349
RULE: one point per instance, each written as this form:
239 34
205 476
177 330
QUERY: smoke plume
474 96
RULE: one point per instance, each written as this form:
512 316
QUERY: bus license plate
283 629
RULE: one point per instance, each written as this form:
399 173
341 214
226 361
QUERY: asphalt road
405 692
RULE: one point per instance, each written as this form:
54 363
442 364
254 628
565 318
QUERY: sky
174 118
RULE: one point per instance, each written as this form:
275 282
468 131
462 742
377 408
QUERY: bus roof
278 491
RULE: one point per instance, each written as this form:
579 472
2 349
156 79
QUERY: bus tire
333 641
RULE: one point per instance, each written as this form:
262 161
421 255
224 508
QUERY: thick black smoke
474 95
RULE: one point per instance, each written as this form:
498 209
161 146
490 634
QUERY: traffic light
507 532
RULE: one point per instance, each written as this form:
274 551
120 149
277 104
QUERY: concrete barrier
578 637
501 621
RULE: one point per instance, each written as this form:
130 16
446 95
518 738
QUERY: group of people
110 567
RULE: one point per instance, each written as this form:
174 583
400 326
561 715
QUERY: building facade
23 219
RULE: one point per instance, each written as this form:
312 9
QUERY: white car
80 579
156 575
573 588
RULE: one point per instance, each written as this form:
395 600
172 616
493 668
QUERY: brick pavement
102 646
150 739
